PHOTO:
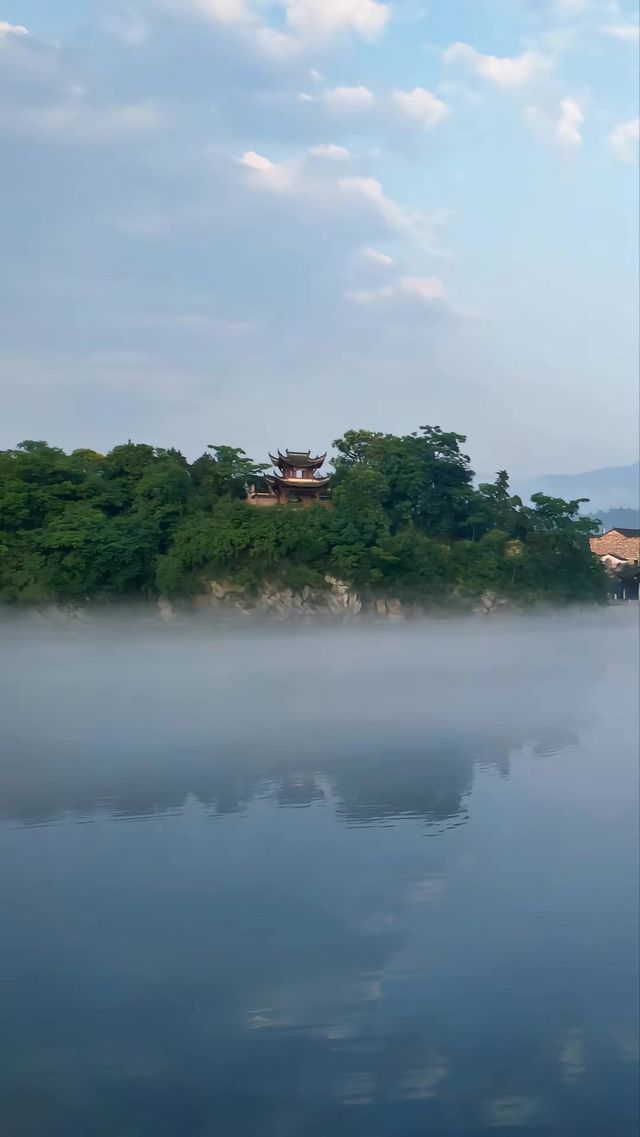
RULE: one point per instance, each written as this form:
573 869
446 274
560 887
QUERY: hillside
405 520
611 487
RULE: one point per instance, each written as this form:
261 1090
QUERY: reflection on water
279 883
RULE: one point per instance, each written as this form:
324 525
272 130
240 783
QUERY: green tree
222 473
493 506
427 477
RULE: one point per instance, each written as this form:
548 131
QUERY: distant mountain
612 487
617 518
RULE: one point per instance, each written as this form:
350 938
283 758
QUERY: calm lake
320 882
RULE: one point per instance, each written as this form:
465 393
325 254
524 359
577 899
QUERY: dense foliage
405 519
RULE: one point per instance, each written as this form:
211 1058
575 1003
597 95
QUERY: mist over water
274 881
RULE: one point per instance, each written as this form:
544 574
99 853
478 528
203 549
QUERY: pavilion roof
299 459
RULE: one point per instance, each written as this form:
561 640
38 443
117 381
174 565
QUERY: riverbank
232 607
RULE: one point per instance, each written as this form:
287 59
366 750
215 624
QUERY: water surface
297 883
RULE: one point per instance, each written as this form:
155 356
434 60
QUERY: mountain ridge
606 487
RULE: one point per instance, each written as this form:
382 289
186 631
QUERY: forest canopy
405 519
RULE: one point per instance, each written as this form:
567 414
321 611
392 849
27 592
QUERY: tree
427 477
223 473
553 513
493 506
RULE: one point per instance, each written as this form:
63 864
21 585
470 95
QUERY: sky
263 222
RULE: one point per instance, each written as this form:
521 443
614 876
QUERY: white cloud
624 141
346 100
422 228
374 256
44 99
218 11
423 289
628 33
421 106
257 161
27 62
279 177
568 125
371 191
7 30
280 45
316 182
331 151
561 128
313 20
506 72
298 23
78 121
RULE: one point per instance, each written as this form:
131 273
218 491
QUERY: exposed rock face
341 599
337 600
61 613
487 603
392 608
166 611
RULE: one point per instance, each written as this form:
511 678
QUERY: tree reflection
384 781
380 727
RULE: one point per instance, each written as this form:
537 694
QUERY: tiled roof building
623 544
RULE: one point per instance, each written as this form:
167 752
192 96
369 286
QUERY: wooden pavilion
295 478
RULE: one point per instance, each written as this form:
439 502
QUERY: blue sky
261 222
